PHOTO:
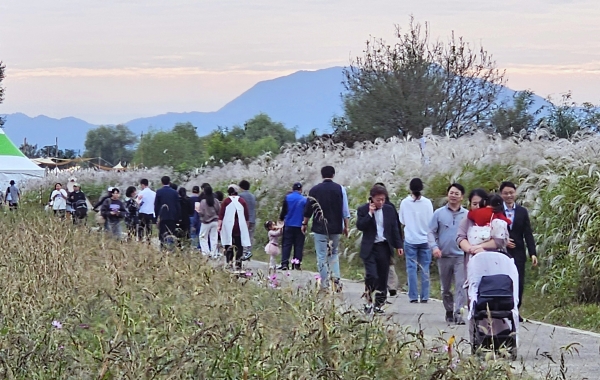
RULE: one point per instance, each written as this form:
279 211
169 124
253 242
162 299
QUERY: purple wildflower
57 324
248 274
287 273
273 277
317 277
295 261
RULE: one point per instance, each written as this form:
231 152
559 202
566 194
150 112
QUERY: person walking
145 198
114 211
250 200
393 282
79 204
443 230
380 241
187 211
292 213
326 205
416 212
132 220
58 198
13 196
520 234
208 212
233 226
167 209
195 218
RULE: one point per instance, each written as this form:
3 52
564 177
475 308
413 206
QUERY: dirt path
538 341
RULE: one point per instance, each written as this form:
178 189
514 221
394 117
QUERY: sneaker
414 301
378 310
337 285
283 267
296 267
368 308
423 301
393 292
450 317
521 319
458 320
247 256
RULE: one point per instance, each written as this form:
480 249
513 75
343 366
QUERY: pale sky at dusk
111 61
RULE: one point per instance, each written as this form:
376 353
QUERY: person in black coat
167 209
520 233
381 239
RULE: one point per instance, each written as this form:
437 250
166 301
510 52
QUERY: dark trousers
292 237
521 269
166 228
146 221
377 268
235 249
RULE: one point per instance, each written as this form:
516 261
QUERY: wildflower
248 273
199 323
273 285
295 261
317 277
57 324
273 277
417 354
287 273
61 347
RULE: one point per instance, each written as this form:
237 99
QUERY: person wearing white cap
233 225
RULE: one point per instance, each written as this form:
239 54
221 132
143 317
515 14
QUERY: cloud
589 68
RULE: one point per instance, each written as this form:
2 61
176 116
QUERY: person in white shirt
415 214
58 198
146 215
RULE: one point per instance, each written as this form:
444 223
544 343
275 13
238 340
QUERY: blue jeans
327 263
194 232
417 255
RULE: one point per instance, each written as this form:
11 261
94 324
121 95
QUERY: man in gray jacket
443 229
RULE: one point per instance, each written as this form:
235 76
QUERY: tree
31 151
403 88
261 126
179 148
568 117
2 67
111 143
507 120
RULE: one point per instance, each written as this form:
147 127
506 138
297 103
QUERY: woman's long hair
209 196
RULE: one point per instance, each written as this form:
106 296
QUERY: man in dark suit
520 233
167 209
381 238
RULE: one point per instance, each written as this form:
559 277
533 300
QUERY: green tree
508 120
31 151
261 126
179 148
111 143
413 84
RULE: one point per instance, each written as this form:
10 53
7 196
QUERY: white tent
13 163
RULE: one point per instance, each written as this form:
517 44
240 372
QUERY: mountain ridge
304 100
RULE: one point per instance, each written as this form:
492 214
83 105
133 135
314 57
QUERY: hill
305 100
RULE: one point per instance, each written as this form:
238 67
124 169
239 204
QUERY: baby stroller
493 298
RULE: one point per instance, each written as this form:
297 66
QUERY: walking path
538 341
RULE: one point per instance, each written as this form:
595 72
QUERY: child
272 247
490 221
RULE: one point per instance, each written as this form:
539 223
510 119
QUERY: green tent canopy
14 165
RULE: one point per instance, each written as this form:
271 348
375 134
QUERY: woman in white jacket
58 199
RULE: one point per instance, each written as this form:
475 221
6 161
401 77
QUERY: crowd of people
220 224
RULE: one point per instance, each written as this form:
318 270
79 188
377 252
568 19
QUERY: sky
112 61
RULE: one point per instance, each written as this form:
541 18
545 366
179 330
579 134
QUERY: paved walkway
538 341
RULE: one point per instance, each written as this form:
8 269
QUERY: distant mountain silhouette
43 130
305 100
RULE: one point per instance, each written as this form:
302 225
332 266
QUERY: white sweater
415 215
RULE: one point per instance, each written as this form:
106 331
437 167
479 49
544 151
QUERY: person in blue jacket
292 214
